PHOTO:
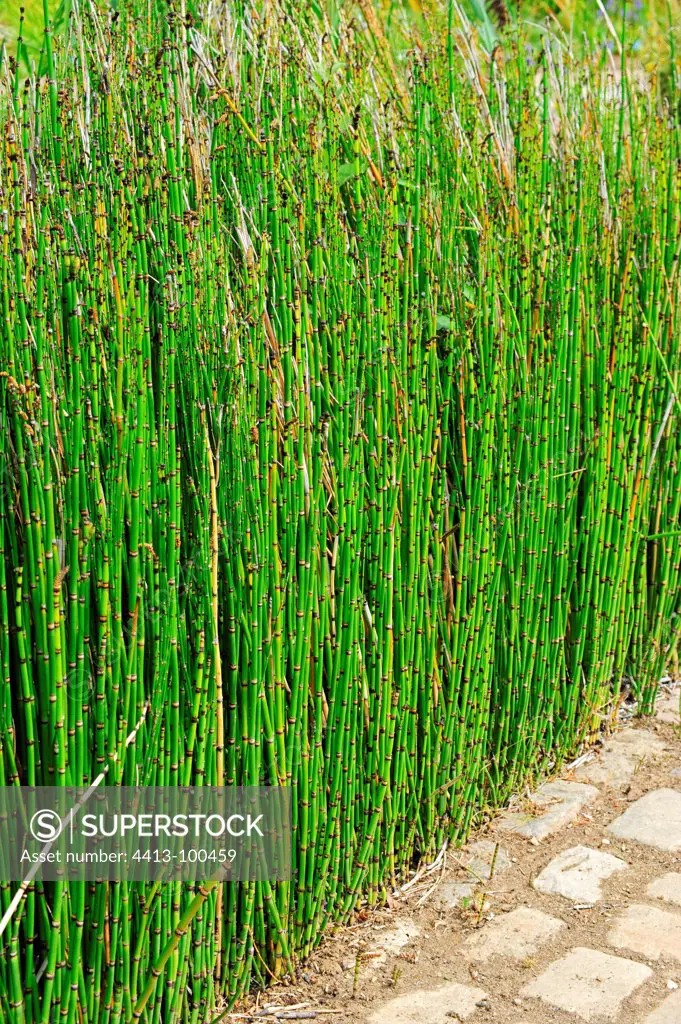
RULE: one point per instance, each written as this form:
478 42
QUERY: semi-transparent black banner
126 833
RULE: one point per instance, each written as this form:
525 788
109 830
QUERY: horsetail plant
339 451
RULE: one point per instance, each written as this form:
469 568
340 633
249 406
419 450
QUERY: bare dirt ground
419 943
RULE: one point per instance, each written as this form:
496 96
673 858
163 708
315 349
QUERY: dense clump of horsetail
339 450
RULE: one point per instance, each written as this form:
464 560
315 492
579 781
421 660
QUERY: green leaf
346 172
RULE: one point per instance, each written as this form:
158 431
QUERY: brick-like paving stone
391 941
436 1006
516 935
588 983
667 709
563 802
477 858
620 757
668 1013
654 820
452 894
666 888
577 874
647 930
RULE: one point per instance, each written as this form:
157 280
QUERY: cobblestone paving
565 908
626 965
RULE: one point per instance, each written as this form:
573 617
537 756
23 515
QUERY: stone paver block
516 935
668 1013
654 820
620 757
667 888
477 858
588 983
392 940
563 802
647 930
577 874
453 894
435 1006
667 709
